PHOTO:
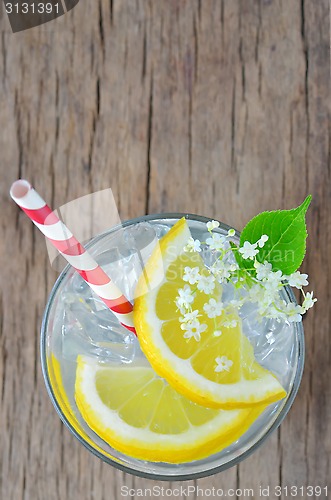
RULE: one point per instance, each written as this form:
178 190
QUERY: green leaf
286 246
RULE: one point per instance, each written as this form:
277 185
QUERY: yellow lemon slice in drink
141 415
210 362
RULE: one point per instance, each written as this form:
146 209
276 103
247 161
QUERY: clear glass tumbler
58 357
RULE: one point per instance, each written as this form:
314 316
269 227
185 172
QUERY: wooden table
213 107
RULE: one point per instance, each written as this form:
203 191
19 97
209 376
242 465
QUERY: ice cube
95 333
124 254
89 327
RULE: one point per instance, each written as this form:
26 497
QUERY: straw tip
19 188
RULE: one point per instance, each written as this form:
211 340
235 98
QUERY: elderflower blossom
222 270
185 298
262 241
297 279
193 329
191 274
213 224
193 245
206 284
273 282
262 287
230 323
293 312
189 316
236 303
308 301
223 364
248 250
262 297
213 308
216 242
262 270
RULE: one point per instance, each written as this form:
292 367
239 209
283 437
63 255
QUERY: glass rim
131 470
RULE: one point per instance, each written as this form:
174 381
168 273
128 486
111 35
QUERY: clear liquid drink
76 323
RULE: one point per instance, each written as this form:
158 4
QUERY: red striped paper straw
61 237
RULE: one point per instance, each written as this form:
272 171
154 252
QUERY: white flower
185 297
212 225
193 245
293 312
230 323
213 308
231 232
256 293
182 309
248 250
216 242
261 242
217 333
309 301
191 274
236 303
206 284
189 316
273 282
222 270
297 279
262 270
193 329
273 311
223 364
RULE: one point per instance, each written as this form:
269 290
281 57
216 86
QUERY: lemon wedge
214 366
140 414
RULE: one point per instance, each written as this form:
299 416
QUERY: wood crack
3 348
199 10
18 136
260 81
243 76
36 346
52 174
222 16
237 481
280 454
190 140
306 58
111 11
233 126
144 62
4 58
101 31
98 97
149 145
57 119
258 33
196 48
329 150
93 132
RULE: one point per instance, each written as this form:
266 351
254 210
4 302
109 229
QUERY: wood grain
215 107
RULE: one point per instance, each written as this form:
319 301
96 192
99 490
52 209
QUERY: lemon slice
141 415
214 367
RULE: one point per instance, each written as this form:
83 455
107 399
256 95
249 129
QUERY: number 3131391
32 8
301 491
